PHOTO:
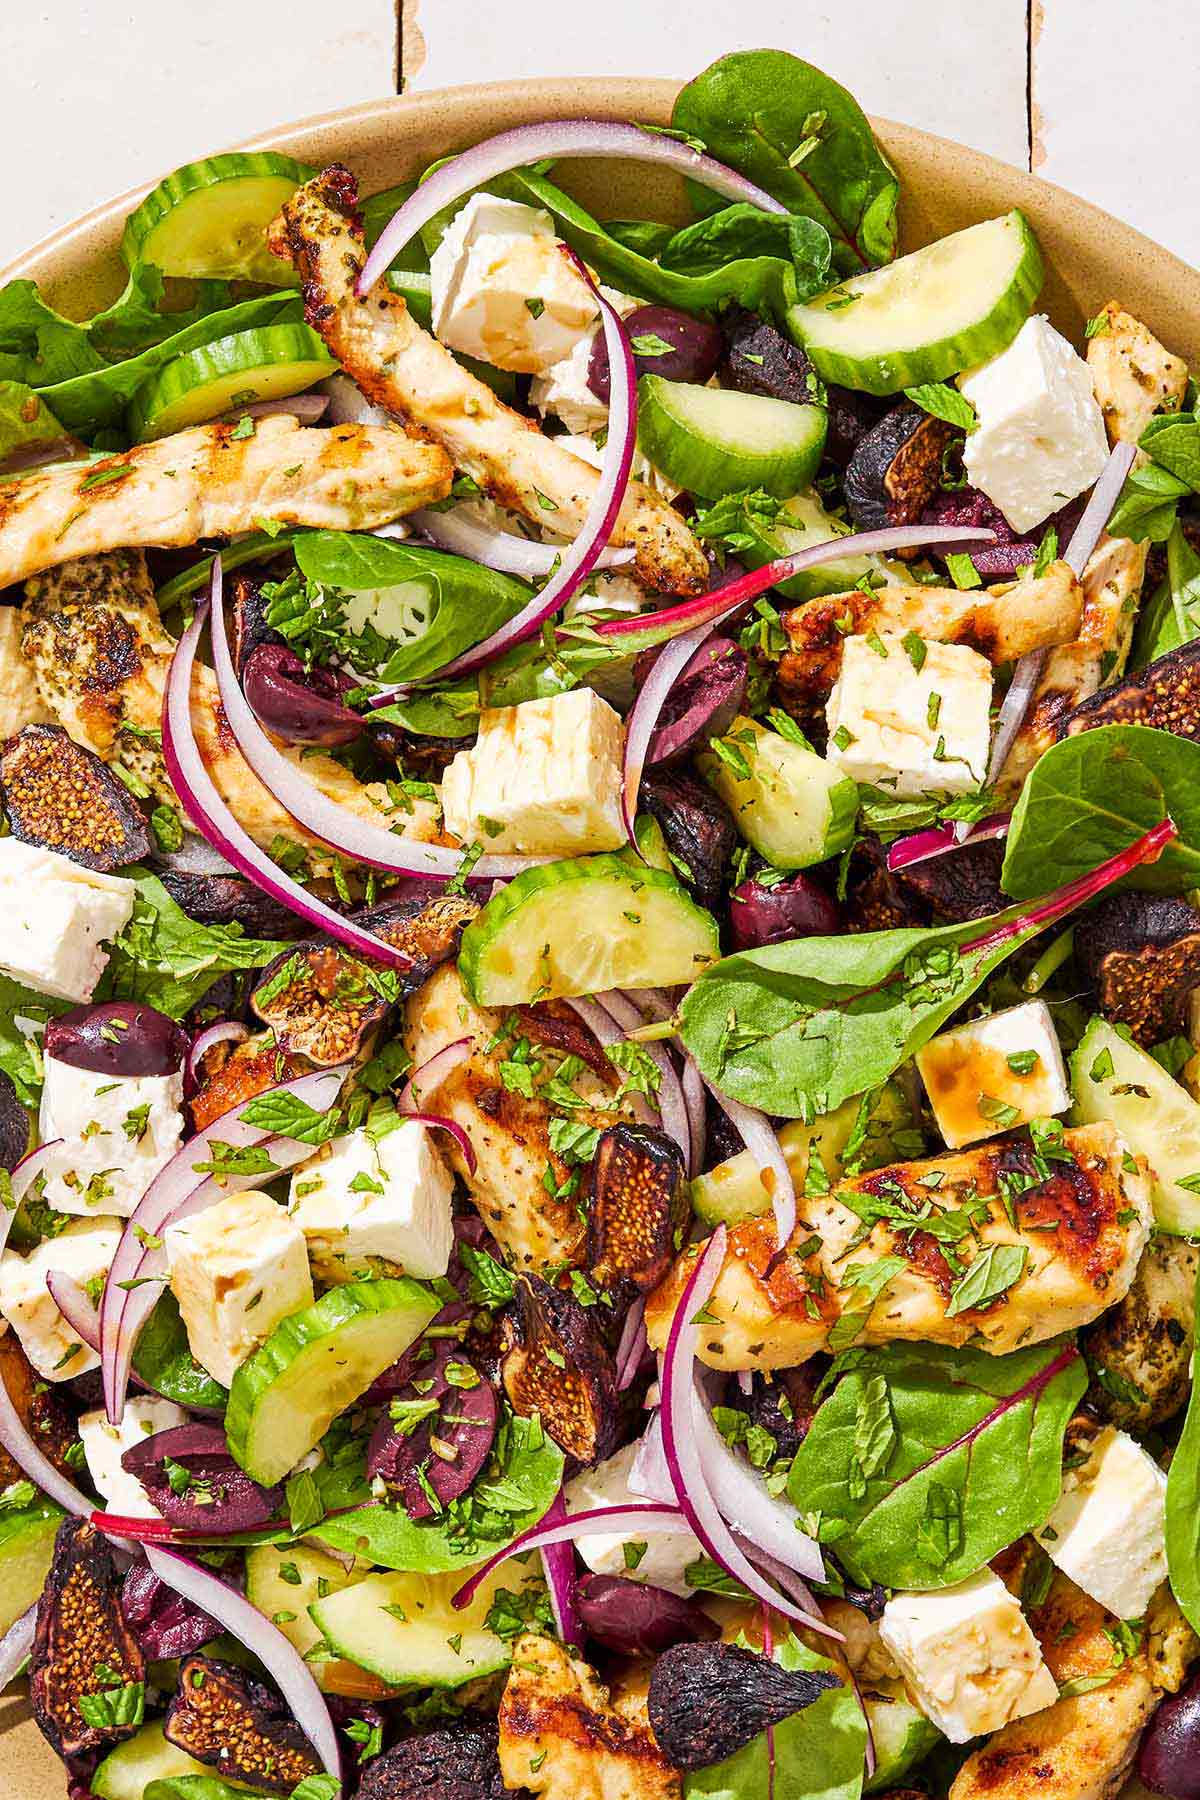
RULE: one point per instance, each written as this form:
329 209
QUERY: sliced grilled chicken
1084 1226
1133 375
20 702
100 656
562 1734
1140 1352
209 483
402 368
510 1134
1001 622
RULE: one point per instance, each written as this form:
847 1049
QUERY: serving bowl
1090 257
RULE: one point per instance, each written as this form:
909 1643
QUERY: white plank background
96 95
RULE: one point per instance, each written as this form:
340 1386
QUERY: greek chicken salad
599 991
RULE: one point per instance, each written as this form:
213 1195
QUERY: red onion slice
922 846
759 1137
438 1122
681 1447
605 1030
670 1102
743 1501
693 1099
632 1346
643 717
638 1521
16 1644
227 1031
557 140
558 1562
75 1307
425 1080
251 1628
308 408
500 550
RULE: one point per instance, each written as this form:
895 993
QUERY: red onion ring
605 1030
438 1122
227 1031
681 1448
578 558
429 1076
742 1499
308 408
16 1644
922 846
558 140
600 1520
558 1562
669 1101
643 717
75 1307
253 1629
632 1346
758 1135
500 550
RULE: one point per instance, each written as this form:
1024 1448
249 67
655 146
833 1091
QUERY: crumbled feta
85 1251
237 1269
661 1558
54 916
992 1074
1106 1532
563 390
117 1134
365 1199
105 1444
1040 439
502 290
968 1656
543 779
910 730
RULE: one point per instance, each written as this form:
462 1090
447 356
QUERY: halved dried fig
637 1208
247 621
226 1717
61 797
707 1700
457 1763
253 1067
230 900
760 360
14 1124
1141 953
41 1408
698 827
896 468
556 1364
1165 694
86 1671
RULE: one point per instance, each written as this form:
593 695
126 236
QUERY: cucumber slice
26 1546
211 218
1112 1079
714 441
284 1398
234 371
902 1736
929 315
283 1581
793 806
127 1771
403 1628
734 1190
802 524
581 926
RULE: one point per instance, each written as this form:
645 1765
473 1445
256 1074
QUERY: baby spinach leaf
708 245
1172 440
1147 505
801 136
169 960
165 1363
1093 795
24 418
647 236
819 1752
20 1055
1172 616
974 1459
1183 1511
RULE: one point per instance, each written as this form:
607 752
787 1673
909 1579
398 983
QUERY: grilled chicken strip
402 368
1084 1225
1133 374
20 702
1140 1352
100 657
564 1736
1001 622
510 1133
209 483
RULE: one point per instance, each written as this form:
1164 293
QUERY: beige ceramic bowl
1090 258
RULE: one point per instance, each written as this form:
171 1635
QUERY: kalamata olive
664 342
635 1619
217 1493
163 1622
1169 1754
14 1125
449 1446
298 704
792 908
117 1037
703 704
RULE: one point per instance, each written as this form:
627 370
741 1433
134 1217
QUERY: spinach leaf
819 1753
24 418
20 1055
1093 795
1183 1511
169 960
1147 505
1172 440
451 712
514 1492
1172 616
801 136
254 547
165 1363
646 236
706 246
975 1458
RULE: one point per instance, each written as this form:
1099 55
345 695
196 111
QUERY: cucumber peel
26 1546
210 218
248 366
1112 1079
795 808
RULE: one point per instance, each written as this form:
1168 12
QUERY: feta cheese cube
563 390
913 731
993 1074
968 1656
661 1558
54 916
502 290
543 778
105 1444
364 1200
85 1251
236 1270
1106 1532
1040 439
117 1134
584 446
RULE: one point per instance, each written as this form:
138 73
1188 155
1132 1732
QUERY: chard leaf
975 1458
1173 441
1183 1511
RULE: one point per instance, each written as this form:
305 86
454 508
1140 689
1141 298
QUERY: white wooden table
97 95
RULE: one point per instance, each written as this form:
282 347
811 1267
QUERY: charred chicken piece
1141 953
698 827
556 1364
61 797
637 1209
459 1763
226 1717
82 1648
1165 694
247 621
896 468
707 1700
1140 1351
